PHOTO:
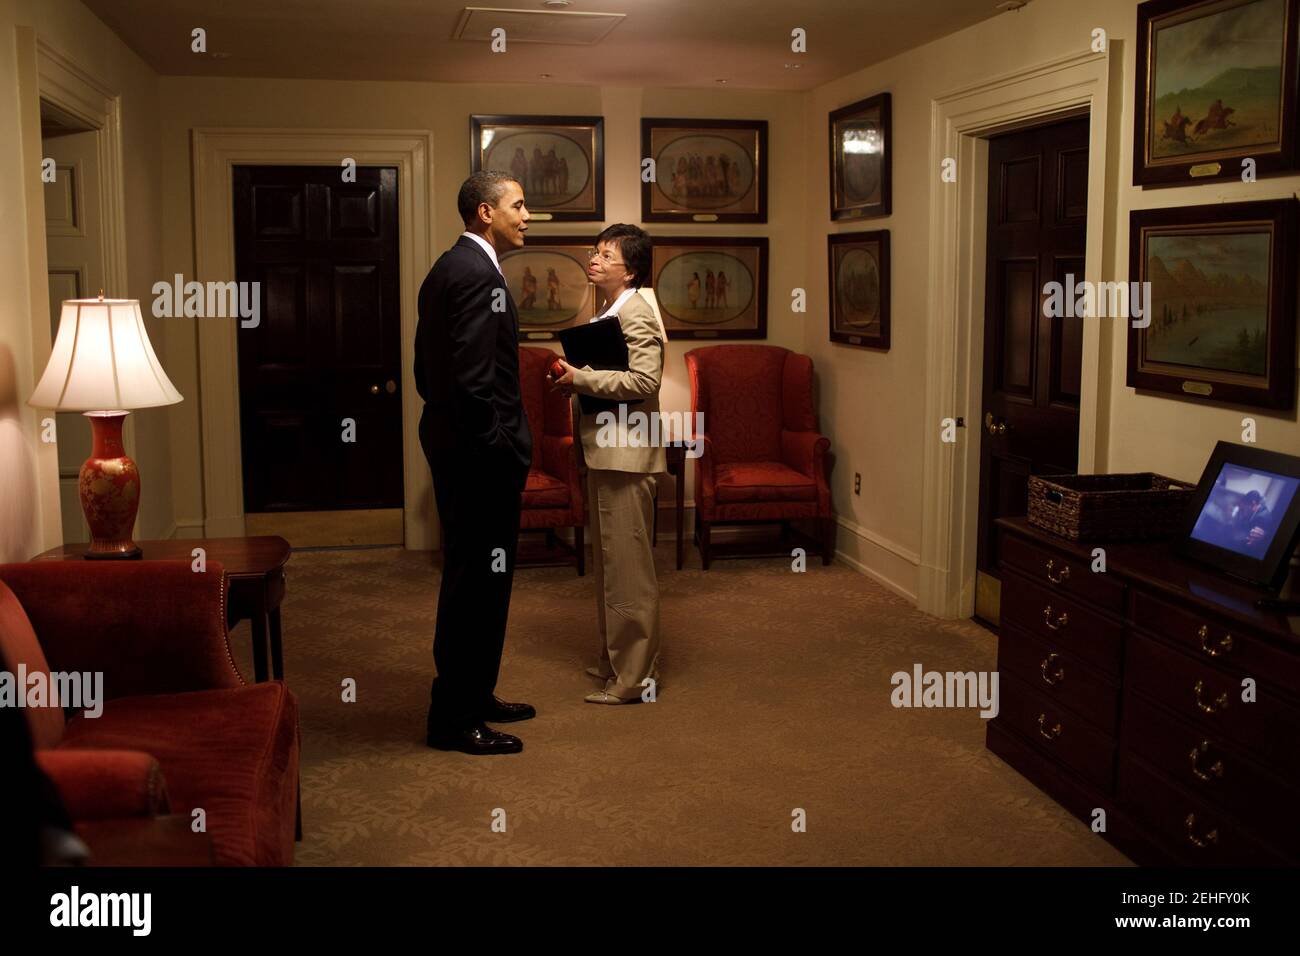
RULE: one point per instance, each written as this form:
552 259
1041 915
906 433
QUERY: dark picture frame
705 170
862 184
687 310
1270 567
858 288
561 157
1204 104
567 255
1222 313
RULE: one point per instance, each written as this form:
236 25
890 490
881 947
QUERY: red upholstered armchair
553 496
179 730
763 459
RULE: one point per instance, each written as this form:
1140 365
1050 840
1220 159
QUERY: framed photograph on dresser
861 151
548 280
1221 315
711 287
559 160
705 170
1215 90
1245 516
858 263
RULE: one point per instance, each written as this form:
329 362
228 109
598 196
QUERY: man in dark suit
475 435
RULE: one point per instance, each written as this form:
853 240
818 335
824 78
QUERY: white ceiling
658 43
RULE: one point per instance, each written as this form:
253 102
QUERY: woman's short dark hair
634 246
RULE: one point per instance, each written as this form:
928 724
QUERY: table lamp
103 365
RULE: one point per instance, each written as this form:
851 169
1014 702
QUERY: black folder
599 345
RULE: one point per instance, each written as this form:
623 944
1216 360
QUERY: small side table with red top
255 570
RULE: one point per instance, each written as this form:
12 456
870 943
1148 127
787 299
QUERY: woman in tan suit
623 453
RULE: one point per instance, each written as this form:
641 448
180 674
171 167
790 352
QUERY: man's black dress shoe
478 740
503 712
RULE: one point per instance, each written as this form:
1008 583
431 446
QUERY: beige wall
444 109
32 524
872 403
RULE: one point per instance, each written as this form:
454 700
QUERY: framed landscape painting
559 160
548 280
711 288
861 151
859 288
705 170
1215 90
1222 309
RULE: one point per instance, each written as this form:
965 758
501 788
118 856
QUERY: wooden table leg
277 651
258 622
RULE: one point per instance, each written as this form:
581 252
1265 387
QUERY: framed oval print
559 161
859 288
704 170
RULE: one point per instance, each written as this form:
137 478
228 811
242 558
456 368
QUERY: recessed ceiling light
544 76
556 4
721 81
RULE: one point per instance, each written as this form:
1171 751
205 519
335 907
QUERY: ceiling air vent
536 26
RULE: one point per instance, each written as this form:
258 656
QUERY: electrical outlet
857 483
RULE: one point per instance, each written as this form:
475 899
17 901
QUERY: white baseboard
885 562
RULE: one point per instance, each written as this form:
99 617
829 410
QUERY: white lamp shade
102 360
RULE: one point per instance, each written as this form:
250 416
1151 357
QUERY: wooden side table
255 570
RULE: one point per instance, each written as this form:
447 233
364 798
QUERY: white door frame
961 121
46 74
215 152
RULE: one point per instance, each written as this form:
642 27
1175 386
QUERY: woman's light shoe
603 697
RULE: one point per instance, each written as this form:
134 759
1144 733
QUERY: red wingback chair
179 728
763 458
553 495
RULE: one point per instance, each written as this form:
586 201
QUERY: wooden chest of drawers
1152 690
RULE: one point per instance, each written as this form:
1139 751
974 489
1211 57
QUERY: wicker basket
1108 507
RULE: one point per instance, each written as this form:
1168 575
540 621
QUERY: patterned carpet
775 696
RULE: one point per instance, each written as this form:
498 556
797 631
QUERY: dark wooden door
1029 423
328 346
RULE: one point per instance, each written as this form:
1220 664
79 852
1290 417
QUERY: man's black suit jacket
467 366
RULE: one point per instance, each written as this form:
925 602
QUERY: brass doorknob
994 426
390 386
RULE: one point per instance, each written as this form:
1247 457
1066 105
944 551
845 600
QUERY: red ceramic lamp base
110 490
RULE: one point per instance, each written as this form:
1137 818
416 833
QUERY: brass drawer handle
1063 575
1048 734
1219 703
1216 768
1221 646
1057 675
1061 621
1211 836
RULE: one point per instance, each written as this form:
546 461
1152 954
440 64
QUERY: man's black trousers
479 509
